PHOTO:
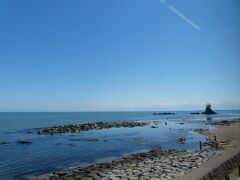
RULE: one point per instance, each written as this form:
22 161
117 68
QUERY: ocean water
49 153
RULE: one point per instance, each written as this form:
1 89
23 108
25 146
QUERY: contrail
183 17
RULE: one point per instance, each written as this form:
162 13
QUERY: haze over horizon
119 55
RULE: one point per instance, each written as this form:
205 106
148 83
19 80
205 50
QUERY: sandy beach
165 164
231 150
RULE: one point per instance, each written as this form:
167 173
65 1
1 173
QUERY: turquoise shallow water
48 153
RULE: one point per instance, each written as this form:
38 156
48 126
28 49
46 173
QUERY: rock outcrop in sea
164 113
76 128
209 110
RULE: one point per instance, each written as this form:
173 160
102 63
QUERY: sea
49 153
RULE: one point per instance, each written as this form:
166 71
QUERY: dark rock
195 113
181 140
208 109
164 113
85 127
224 122
25 142
75 139
212 144
4 142
91 140
200 130
62 173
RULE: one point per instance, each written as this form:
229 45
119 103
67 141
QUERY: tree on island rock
208 109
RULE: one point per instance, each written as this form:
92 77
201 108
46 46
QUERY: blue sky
116 55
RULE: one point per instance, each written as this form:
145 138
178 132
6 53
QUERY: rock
4 142
72 145
25 142
195 113
187 164
168 170
91 140
164 113
213 144
200 130
223 123
208 109
181 140
62 173
155 164
154 127
87 139
86 127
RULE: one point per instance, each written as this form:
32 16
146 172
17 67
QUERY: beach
223 165
134 144
156 164
165 164
109 90
32 144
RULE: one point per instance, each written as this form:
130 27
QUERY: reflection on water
209 118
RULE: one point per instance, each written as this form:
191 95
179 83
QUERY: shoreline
228 163
157 163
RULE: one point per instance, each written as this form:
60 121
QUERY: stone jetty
74 128
155 164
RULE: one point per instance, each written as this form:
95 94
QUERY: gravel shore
155 164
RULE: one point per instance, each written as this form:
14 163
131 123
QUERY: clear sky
115 55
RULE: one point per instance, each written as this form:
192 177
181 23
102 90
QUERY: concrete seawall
217 170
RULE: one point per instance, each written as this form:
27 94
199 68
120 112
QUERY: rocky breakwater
155 164
74 128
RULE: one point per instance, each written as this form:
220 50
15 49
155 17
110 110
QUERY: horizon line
114 111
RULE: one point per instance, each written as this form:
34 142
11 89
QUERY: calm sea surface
48 153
